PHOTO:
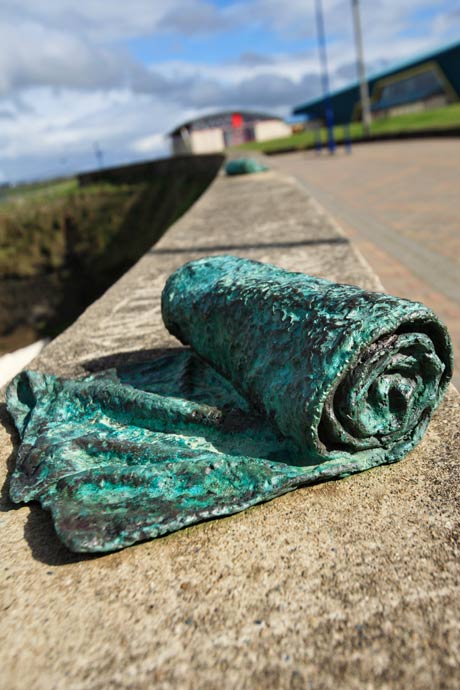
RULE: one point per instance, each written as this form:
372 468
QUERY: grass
41 224
439 118
61 245
44 226
45 191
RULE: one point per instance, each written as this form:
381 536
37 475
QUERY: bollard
318 143
347 138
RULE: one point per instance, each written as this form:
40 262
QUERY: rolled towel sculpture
290 379
244 166
337 369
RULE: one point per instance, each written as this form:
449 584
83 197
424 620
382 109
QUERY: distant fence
207 165
433 133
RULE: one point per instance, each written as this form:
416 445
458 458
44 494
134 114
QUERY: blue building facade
432 80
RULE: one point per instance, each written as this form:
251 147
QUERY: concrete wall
349 584
271 129
140 172
417 107
207 140
180 144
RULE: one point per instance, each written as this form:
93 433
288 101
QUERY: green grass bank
63 243
446 118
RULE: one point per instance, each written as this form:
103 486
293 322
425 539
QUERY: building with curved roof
431 80
217 131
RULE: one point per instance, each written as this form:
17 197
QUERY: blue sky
125 73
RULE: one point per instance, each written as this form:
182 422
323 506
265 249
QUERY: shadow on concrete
6 504
235 247
39 532
118 359
44 543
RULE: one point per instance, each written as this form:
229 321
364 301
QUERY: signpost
363 87
329 112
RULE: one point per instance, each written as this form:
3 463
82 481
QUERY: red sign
237 120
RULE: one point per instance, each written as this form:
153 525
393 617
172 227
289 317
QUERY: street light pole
99 155
363 86
329 112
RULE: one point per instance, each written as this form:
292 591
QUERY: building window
421 86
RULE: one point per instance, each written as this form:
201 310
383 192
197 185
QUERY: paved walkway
400 202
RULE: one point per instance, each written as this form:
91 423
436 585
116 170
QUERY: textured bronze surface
291 380
244 166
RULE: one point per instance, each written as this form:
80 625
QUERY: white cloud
34 55
58 136
151 144
106 22
67 78
197 17
60 43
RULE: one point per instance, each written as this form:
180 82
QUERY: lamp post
363 87
329 112
99 155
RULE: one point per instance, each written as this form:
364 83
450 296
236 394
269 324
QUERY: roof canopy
222 119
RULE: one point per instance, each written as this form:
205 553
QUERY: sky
120 74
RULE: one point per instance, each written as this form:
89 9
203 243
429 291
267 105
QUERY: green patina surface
244 166
289 380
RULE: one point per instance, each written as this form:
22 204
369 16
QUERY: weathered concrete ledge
349 584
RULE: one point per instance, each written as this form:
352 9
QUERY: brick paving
399 202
